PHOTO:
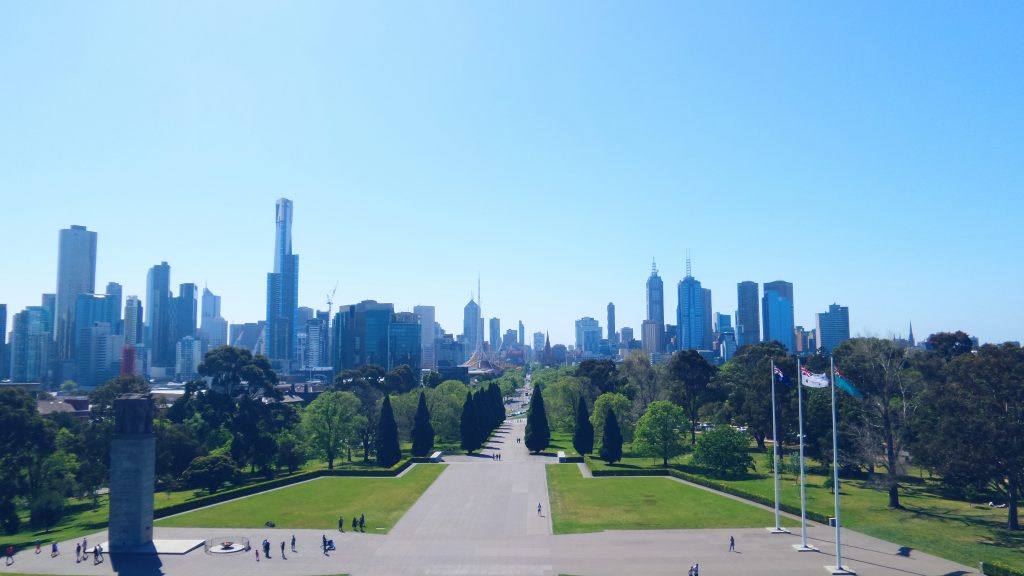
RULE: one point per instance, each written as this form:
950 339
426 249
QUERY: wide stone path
480 518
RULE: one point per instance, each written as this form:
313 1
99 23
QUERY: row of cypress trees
482 413
538 433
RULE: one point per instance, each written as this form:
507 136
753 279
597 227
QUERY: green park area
581 504
318 503
961 531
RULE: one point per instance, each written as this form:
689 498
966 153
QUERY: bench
436 456
561 457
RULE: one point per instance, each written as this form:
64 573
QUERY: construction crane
330 299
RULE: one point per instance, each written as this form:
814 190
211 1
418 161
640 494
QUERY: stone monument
132 474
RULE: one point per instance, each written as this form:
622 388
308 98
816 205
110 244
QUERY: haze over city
551 150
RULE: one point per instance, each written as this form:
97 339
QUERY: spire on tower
910 335
654 267
688 274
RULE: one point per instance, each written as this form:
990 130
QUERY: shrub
723 452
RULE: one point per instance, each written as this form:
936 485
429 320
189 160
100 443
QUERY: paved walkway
480 518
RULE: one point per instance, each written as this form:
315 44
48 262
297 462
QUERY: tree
176 448
611 440
622 407
388 450
690 376
422 431
68 386
602 374
211 472
331 422
641 378
292 453
102 398
746 382
365 383
432 379
879 369
948 345
657 432
538 435
723 452
24 437
469 425
583 432
400 380
47 509
979 404
230 367
560 402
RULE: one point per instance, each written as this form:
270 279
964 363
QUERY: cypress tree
611 443
482 416
583 433
469 428
388 450
422 431
499 405
538 435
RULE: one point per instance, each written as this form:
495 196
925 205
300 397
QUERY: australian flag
781 378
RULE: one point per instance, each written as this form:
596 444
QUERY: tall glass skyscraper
833 327
159 329
690 313
748 315
76 274
471 328
283 291
777 312
653 327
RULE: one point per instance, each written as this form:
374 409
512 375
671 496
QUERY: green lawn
581 504
562 441
318 503
960 531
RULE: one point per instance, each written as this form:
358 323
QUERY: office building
426 315
748 315
588 335
653 339
159 328
690 313
777 313
5 371
30 344
708 331
833 327
522 334
494 341
76 274
282 328
316 334
472 328
626 336
188 353
360 335
510 340
448 352
404 342
134 324
115 291
213 328
246 335
538 343
98 355
804 341
185 312
612 337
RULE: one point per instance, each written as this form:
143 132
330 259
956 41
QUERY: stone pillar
132 474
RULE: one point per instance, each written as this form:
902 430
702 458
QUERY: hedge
997 569
714 485
225 495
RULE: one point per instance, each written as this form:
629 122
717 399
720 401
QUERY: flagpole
802 547
838 568
775 460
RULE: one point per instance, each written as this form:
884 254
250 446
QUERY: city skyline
814 145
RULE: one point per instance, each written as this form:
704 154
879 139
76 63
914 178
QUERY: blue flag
780 378
845 386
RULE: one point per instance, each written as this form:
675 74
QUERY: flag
844 384
812 380
780 378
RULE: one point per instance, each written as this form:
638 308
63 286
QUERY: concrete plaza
480 517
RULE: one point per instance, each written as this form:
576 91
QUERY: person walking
53 549
355 523
362 522
10 555
39 544
341 524
732 544
538 508
85 548
78 553
293 542
257 554
283 557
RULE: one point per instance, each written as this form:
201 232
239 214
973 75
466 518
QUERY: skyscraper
283 292
76 274
213 328
159 331
494 342
184 312
690 313
612 339
404 345
471 328
748 316
426 315
5 371
522 334
833 327
777 313
361 334
708 332
133 321
30 344
114 291
652 339
538 344
588 335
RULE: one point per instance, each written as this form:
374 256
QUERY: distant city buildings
427 335
472 328
777 313
690 313
588 335
159 331
834 327
282 329
748 316
213 328
76 274
612 336
31 335
652 329
494 339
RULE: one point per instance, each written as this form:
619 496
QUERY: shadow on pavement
137 564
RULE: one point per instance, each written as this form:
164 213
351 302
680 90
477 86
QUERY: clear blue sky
869 152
